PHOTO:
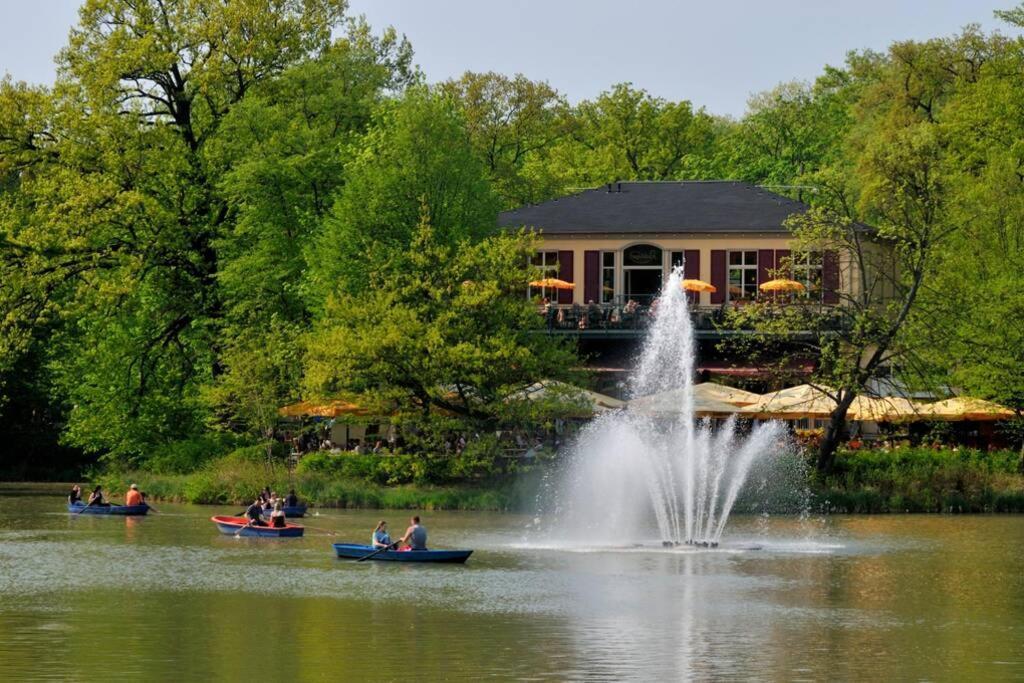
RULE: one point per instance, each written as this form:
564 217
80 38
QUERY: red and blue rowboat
233 526
289 511
354 552
83 509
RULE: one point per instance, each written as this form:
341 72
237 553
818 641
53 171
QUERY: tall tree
417 153
112 229
513 123
440 326
627 134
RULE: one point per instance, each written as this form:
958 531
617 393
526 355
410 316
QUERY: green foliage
415 163
924 480
439 326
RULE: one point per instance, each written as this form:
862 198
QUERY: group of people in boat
268 501
96 499
415 537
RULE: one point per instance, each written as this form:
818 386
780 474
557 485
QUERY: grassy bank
922 480
230 482
865 481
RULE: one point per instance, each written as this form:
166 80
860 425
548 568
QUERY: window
807 271
677 259
641 272
546 265
607 277
742 275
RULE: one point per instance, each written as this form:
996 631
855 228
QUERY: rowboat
289 511
354 552
233 526
83 509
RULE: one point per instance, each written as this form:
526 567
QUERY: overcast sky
715 53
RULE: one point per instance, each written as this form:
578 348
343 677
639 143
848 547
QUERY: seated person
415 536
75 497
96 498
133 497
277 520
254 512
291 500
381 537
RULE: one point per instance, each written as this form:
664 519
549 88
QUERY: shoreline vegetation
866 481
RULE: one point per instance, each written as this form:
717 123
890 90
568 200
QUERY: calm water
165 597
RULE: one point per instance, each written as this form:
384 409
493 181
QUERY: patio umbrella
720 392
328 409
965 408
884 409
782 285
698 286
552 283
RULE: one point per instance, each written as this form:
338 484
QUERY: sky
715 53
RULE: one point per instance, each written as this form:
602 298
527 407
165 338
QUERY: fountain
627 465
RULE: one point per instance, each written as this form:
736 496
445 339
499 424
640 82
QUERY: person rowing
415 537
291 500
253 513
381 537
133 497
96 498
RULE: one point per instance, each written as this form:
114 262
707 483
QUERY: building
617 243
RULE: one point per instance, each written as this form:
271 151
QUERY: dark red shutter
718 275
565 273
830 277
691 271
783 263
592 276
765 265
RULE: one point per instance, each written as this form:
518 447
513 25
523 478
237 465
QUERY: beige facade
668 243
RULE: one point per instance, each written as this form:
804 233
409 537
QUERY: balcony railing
631 317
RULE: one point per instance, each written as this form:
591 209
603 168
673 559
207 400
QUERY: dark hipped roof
665 207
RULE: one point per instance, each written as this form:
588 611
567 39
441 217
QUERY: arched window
642 271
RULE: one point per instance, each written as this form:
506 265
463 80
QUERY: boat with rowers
240 526
354 551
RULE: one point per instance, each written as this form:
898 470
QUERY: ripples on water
844 598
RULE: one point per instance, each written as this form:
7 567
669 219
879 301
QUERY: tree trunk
834 434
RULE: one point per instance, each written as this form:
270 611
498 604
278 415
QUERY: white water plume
630 464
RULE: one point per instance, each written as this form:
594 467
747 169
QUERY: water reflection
844 598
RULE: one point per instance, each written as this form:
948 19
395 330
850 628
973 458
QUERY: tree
791 132
512 124
627 134
440 326
416 154
112 212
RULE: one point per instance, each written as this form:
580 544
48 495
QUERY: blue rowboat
289 511
354 552
233 526
83 509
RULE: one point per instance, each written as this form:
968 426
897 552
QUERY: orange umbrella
782 285
698 286
552 283
330 409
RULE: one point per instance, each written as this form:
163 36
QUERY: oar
378 552
243 528
329 532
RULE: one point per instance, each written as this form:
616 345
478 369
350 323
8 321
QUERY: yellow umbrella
782 285
698 286
965 408
552 283
720 392
884 409
329 409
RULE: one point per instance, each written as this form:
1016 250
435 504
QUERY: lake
846 597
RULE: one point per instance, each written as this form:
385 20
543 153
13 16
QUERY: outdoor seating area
807 409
